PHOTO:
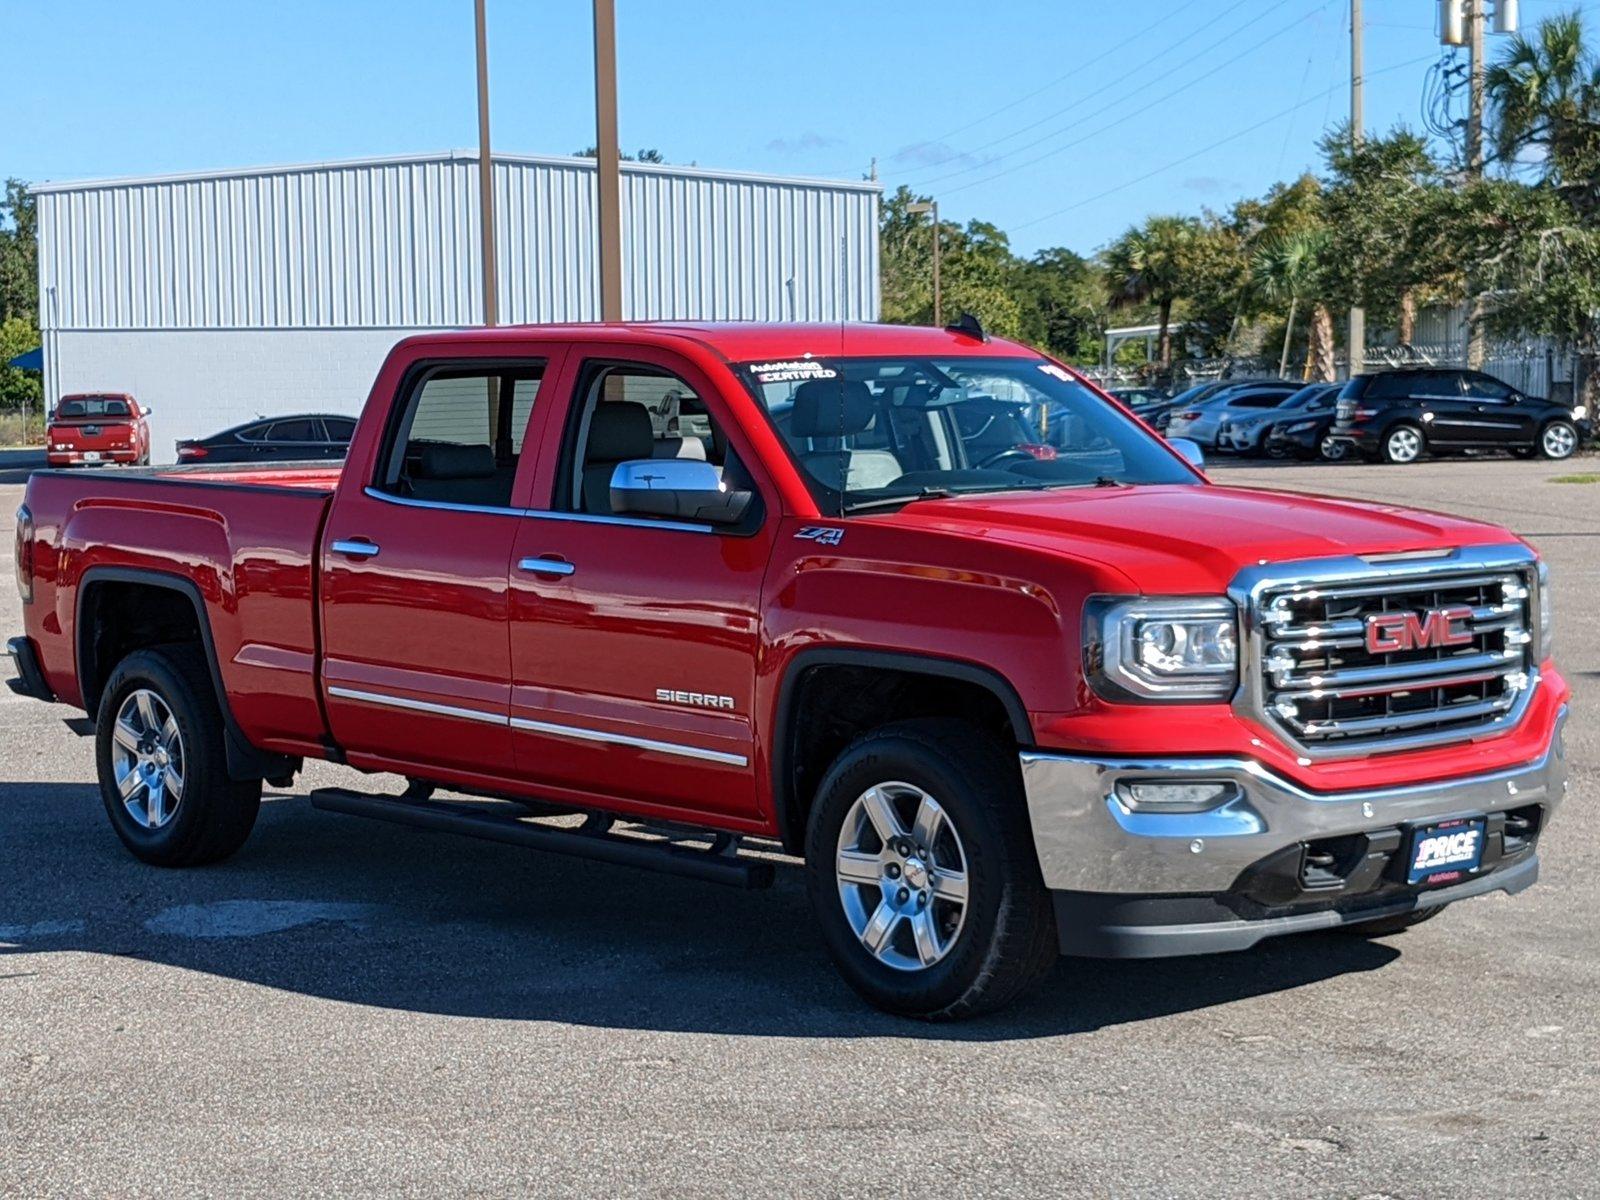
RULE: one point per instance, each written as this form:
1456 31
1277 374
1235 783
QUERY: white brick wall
199 382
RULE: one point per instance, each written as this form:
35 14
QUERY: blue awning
33 360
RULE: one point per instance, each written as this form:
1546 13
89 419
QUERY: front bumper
1148 884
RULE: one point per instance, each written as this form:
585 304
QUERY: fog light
1147 795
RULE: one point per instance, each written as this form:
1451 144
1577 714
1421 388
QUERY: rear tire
159 748
1403 444
1385 926
918 844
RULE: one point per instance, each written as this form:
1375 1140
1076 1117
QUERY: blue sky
1061 122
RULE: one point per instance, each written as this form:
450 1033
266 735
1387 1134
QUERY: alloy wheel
902 876
1404 445
1559 441
147 759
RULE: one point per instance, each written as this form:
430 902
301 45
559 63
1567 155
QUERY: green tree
1150 264
1288 269
1539 246
19 254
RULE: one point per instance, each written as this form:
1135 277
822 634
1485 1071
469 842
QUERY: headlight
1177 648
1547 612
1580 412
1300 426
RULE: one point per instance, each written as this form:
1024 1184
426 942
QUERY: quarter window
458 434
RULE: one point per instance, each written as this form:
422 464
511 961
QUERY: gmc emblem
1388 633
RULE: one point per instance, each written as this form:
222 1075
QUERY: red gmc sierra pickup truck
919 606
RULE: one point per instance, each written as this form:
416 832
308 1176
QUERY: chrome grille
1463 663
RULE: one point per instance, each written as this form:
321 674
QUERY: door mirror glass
1190 452
145 411
684 489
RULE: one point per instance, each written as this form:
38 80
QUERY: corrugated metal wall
393 244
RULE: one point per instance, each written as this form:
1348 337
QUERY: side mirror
1189 450
684 488
144 410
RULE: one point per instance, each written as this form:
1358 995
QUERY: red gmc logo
1391 632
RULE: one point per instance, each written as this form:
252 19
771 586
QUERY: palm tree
1288 268
1545 96
1149 265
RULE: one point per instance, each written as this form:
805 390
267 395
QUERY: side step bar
592 840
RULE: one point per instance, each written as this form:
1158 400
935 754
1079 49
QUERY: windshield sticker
1056 372
791 372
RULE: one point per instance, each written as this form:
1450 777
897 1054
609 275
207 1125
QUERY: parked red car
98 427
700 583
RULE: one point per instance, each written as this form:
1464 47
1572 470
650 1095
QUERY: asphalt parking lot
349 1008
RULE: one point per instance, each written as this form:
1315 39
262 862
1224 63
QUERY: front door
634 640
416 663
1500 420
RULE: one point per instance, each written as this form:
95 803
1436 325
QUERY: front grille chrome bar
1307 669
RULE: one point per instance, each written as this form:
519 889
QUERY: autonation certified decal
792 371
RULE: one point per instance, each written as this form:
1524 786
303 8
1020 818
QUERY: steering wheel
1006 455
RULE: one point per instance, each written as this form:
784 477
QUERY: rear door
634 640
415 554
1442 406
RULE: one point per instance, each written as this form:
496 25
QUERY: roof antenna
968 326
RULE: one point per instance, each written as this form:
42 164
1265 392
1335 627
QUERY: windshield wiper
927 493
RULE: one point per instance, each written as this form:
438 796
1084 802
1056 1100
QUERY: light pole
608 165
491 290
1358 314
932 207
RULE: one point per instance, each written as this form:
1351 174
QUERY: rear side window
301 429
1259 400
457 435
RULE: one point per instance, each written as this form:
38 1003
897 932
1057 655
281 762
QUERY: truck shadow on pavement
349 910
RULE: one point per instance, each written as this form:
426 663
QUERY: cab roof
746 341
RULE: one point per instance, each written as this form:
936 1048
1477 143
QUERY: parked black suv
1396 416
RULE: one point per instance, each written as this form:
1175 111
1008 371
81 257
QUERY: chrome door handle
546 566
355 549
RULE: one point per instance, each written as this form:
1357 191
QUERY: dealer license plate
91 456
1446 851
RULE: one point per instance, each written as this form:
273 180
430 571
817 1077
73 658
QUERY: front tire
1558 440
1403 444
922 873
162 763
1332 451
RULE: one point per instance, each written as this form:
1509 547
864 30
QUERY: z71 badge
822 535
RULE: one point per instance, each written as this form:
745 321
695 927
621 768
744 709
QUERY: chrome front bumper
1094 847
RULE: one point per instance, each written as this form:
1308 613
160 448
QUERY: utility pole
608 161
1358 315
491 287
1477 350
932 207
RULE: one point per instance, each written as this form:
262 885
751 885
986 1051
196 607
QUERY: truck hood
1176 538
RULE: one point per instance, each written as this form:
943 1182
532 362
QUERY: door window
630 411
1488 389
340 429
457 435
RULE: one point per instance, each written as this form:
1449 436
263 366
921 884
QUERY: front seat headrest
620 430
831 408
452 460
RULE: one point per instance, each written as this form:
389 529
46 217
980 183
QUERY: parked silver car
1245 430
1203 422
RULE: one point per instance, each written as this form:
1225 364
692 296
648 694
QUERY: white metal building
217 296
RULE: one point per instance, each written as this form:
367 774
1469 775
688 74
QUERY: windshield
878 431
92 406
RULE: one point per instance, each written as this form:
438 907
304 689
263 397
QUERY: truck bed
240 542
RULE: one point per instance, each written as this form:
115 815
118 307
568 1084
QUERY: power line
1159 100
1135 36
1176 45
1204 150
